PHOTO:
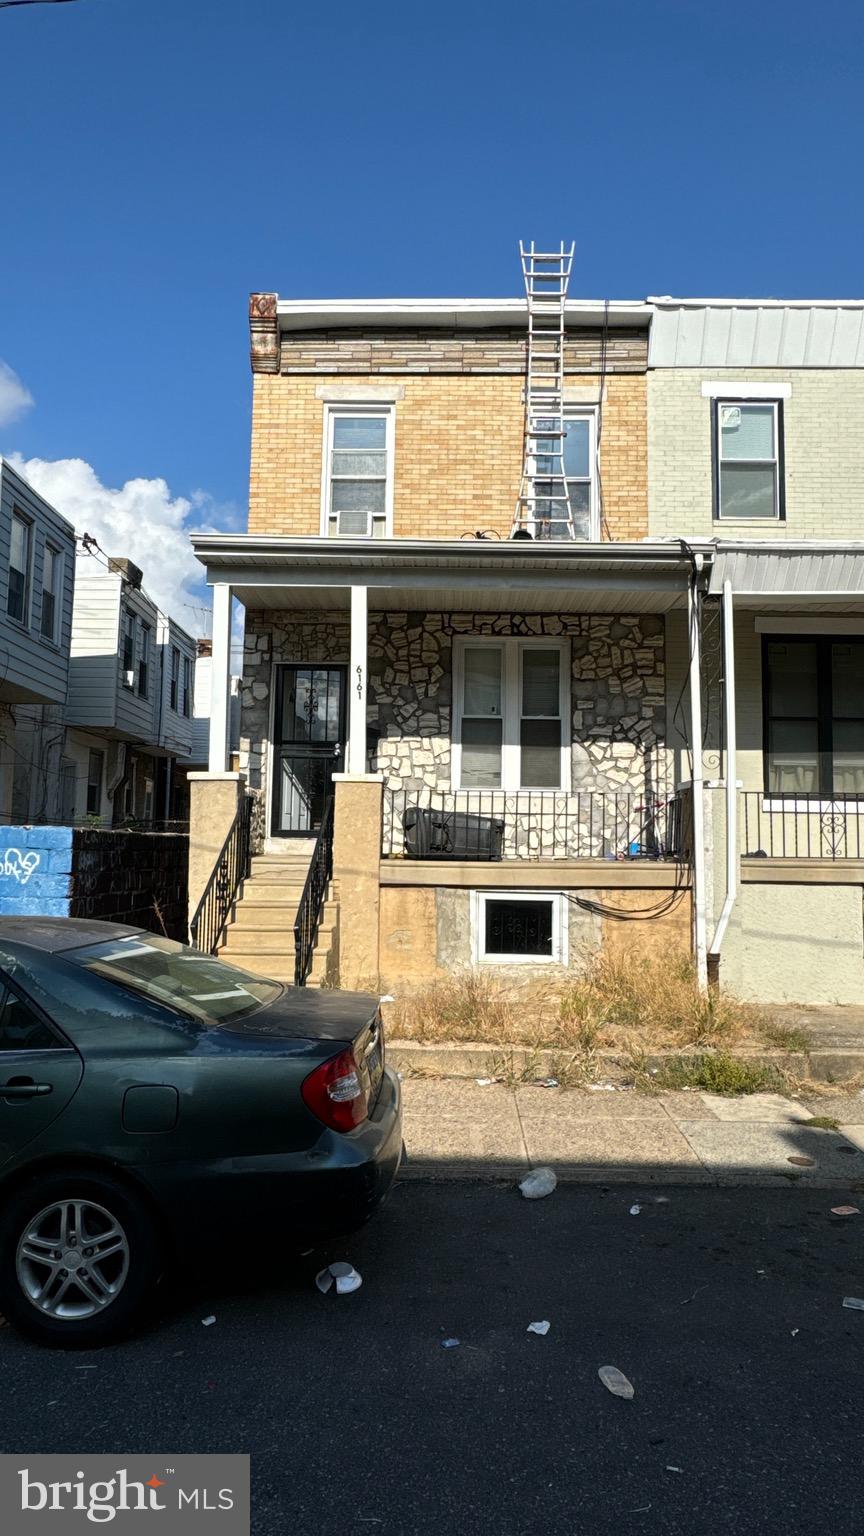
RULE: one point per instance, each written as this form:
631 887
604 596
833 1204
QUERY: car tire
136 1263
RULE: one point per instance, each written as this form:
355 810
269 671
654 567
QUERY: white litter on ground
601 1088
450 1343
208 1321
615 1381
484 1082
541 1328
344 1276
635 1209
538 1183
854 1303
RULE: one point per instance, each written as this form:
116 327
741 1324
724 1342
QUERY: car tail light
335 1093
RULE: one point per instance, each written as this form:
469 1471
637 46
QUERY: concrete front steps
260 938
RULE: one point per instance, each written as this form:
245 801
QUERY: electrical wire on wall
604 346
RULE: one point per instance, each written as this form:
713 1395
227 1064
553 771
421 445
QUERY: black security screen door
310 732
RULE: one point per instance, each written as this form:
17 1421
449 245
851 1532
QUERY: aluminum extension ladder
543 508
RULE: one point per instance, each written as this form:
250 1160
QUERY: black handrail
314 895
230 870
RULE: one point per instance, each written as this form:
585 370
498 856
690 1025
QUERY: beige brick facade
824 454
458 446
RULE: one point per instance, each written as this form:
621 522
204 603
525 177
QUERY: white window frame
720 403
588 413
55 590
479 902
512 649
332 411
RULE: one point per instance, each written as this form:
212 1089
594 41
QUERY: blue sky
160 158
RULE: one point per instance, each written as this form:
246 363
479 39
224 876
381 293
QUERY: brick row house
467 747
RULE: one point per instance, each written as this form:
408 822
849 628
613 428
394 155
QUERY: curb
822 1065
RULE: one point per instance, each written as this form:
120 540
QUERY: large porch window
511 707
814 716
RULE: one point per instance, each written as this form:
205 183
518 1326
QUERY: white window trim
512 648
559 955
716 389
573 412
717 405
348 407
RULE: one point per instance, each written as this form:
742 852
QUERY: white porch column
220 678
700 948
355 760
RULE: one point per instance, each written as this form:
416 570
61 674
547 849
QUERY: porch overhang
824 577
421 574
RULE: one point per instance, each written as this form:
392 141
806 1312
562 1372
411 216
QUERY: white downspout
731 771
700 948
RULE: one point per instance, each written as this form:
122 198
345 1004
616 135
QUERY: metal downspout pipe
731 771
700 948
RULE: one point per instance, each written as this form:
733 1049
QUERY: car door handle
20 1088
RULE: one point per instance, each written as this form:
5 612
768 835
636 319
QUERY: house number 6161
359 682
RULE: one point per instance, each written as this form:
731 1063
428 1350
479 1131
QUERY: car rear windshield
193 983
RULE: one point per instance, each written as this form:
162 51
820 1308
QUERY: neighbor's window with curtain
814 716
174 694
143 659
357 489
18 598
748 458
510 715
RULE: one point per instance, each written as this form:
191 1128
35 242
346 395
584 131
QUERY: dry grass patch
625 1003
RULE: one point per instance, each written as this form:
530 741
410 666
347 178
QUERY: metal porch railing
314 896
790 827
230 870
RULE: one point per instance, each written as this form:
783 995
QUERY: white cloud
140 520
15 397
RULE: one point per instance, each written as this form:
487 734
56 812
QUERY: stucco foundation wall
425 933
796 944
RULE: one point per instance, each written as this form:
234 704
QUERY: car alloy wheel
72 1260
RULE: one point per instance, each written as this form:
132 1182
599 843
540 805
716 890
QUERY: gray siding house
37 575
129 709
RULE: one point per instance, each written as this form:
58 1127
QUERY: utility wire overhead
6 4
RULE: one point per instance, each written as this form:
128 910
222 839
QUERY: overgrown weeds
715 1072
619 1002
786 1037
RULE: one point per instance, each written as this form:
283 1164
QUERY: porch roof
285 572
798 576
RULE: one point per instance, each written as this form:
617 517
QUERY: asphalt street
723 1307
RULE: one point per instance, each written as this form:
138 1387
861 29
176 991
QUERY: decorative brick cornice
263 333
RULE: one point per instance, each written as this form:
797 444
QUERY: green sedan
153 1099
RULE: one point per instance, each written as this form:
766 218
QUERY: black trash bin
451 835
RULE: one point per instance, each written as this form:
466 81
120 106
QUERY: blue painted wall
35 871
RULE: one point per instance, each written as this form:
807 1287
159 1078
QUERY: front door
309 730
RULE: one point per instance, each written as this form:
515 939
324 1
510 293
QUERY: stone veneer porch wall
617 690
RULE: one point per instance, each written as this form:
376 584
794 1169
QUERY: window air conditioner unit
354 524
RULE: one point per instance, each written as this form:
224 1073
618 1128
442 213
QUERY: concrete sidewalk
457 1129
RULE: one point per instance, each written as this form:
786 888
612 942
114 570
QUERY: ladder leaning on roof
543 509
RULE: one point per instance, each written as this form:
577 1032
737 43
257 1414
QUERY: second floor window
18 598
748 459
358 473
186 688
174 696
580 469
143 659
128 655
52 570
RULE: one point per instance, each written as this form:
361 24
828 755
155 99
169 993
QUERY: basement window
519 927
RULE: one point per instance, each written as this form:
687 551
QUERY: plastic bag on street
344 1276
615 1381
538 1183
